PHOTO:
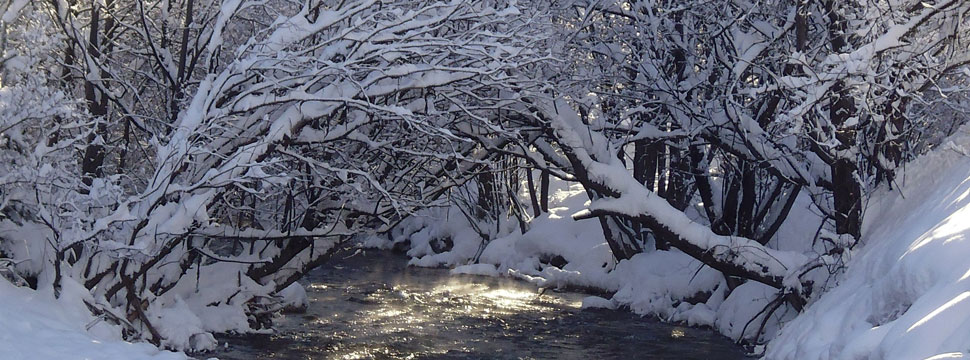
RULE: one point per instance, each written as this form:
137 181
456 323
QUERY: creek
371 305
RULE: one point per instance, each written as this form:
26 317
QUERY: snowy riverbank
905 293
35 326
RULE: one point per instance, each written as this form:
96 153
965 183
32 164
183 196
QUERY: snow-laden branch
628 198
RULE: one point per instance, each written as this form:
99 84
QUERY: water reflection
374 307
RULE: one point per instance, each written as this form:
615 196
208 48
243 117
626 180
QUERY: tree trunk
544 191
97 107
748 198
536 210
846 190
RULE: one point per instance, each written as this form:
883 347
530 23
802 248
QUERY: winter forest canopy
200 156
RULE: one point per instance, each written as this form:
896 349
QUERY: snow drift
906 294
36 326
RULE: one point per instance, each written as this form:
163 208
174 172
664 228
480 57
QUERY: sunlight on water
388 313
379 308
405 314
450 300
484 299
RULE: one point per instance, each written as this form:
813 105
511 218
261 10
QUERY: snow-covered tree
221 158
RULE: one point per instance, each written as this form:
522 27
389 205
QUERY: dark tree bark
846 190
486 190
536 210
94 152
746 225
177 86
544 191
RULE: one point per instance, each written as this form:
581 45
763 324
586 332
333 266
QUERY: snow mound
579 244
476 269
906 293
35 326
596 302
294 298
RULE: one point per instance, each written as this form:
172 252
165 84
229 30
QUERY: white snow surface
906 293
36 326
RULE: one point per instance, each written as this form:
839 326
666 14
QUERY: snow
13 10
740 315
476 269
466 240
193 313
906 293
653 283
580 243
596 302
179 326
953 355
294 297
36 326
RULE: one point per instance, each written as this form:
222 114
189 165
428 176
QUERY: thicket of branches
212 152
697 126
205 154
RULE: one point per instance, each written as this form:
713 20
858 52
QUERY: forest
164 160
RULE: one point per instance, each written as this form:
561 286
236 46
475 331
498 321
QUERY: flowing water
373 306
